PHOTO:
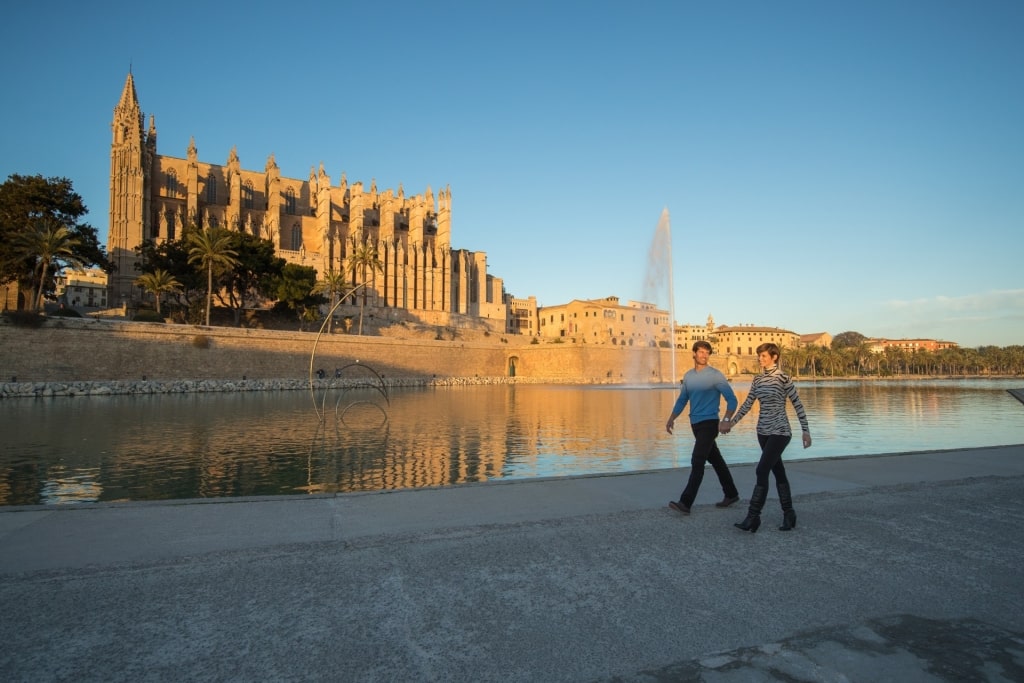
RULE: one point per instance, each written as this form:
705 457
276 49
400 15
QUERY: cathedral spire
128 122
129 98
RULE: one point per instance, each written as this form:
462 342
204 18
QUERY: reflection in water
71 450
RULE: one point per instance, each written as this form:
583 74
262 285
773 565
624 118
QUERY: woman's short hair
772 349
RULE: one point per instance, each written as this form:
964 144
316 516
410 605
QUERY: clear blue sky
827 166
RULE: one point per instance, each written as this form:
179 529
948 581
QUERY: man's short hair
701 345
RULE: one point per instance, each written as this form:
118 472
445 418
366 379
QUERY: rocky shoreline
144 387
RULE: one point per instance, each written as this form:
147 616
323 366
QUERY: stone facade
743 340
311 222
606 321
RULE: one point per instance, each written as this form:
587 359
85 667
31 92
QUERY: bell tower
130 162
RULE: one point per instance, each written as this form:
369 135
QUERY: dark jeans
705 449
772 446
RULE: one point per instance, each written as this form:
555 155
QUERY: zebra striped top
772 388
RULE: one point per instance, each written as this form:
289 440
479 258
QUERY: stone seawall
86 357
69 389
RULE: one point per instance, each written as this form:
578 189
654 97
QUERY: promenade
903 567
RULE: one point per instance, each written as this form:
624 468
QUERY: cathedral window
172 183
289 202
211 189
247 195
296 243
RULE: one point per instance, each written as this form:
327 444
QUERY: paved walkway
903 567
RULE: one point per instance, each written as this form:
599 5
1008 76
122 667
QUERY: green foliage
26 202
146 315
49 246
172 257
158 282
364 263
847 339
211 250
294 290
252 275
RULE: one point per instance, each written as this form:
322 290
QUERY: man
703 388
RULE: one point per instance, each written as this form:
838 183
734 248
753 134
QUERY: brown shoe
679 507
726 502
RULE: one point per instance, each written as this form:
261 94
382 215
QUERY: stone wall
66 350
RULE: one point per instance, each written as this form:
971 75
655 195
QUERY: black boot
786 499
753 519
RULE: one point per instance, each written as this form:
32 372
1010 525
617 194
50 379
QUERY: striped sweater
772 388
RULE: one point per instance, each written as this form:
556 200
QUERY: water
119 448
658 274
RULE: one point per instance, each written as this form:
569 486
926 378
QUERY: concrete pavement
903 567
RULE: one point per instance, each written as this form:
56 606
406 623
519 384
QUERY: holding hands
724 426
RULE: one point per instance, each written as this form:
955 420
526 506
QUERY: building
911 345
82 289
822 339
686 335
743 340
523 316
606 321
311 222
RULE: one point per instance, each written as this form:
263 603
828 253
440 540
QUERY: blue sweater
703 391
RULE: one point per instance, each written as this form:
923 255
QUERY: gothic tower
131 158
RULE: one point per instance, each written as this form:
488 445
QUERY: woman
772 387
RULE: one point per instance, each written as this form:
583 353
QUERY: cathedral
310 222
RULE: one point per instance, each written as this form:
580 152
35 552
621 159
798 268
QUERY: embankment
129 357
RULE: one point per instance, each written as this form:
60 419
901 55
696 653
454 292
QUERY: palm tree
797 357
813 353
211 248
332 284
157 282
48 243
364 258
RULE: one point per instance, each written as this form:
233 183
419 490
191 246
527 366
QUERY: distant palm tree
157 282
48 243
364 258
211 248
797 358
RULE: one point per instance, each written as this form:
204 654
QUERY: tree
363 258
829 359
158 282
211 248
253 275
845 339
48 247
332 284
813 353
862 356
24 200
293 289
796 358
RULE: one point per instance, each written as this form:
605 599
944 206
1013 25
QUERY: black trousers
705 449
772 446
